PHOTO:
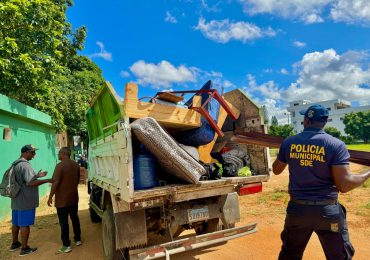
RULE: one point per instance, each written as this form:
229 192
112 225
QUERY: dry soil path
267 208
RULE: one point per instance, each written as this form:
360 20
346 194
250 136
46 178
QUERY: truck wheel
211 225
94 217
109 238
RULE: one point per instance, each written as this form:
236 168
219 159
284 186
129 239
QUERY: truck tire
95 218
109 238
212 225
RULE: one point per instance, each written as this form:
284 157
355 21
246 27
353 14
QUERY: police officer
318 169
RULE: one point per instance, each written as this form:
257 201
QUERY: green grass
274 152
276 195
359 147
366 184
279 195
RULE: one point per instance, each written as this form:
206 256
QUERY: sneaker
78 243
15 246
65 249
27 250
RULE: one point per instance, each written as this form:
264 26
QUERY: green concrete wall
27 126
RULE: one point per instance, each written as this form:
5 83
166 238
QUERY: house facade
20 125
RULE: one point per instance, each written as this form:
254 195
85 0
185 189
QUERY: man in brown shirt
65 181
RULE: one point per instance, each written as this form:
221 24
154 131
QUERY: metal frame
186 244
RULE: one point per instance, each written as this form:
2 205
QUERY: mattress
174 159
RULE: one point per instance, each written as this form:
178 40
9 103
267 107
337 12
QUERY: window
252 121
328 108
341 119
296 104
301 123
330 120
7 134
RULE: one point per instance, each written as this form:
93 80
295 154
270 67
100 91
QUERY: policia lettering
307 154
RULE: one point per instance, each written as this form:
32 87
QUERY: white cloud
327 75
170 18
269 95
228 84
125 74
208 8
312 11
313 18
351 11
322 76
284 71
224 31
299 44
162 74
309 11
267 71
166 90
267 90
102 54
276 109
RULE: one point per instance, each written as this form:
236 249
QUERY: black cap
28 148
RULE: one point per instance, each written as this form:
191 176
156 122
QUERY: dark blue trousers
327 221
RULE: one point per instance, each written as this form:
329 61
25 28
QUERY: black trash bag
213 172
232 161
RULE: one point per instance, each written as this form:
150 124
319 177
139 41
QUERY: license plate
198 214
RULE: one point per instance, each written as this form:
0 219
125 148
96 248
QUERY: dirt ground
266 208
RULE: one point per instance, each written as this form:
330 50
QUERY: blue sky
277 51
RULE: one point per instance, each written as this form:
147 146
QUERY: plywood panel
167 116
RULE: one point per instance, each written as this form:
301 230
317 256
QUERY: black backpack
9 186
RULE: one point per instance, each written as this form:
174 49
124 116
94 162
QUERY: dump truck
171 217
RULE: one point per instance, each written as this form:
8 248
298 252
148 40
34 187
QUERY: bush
347 139
331 130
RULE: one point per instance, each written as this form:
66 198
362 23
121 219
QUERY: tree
281 130
331 130
78 88
274 121
39 65
264 114
358 125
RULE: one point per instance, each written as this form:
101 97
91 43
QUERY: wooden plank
167 116
205 150
131 92
189 189
266 140
202 193
170 97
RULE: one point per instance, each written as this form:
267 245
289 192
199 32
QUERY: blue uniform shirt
310 156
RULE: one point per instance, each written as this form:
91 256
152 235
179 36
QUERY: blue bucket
145 172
